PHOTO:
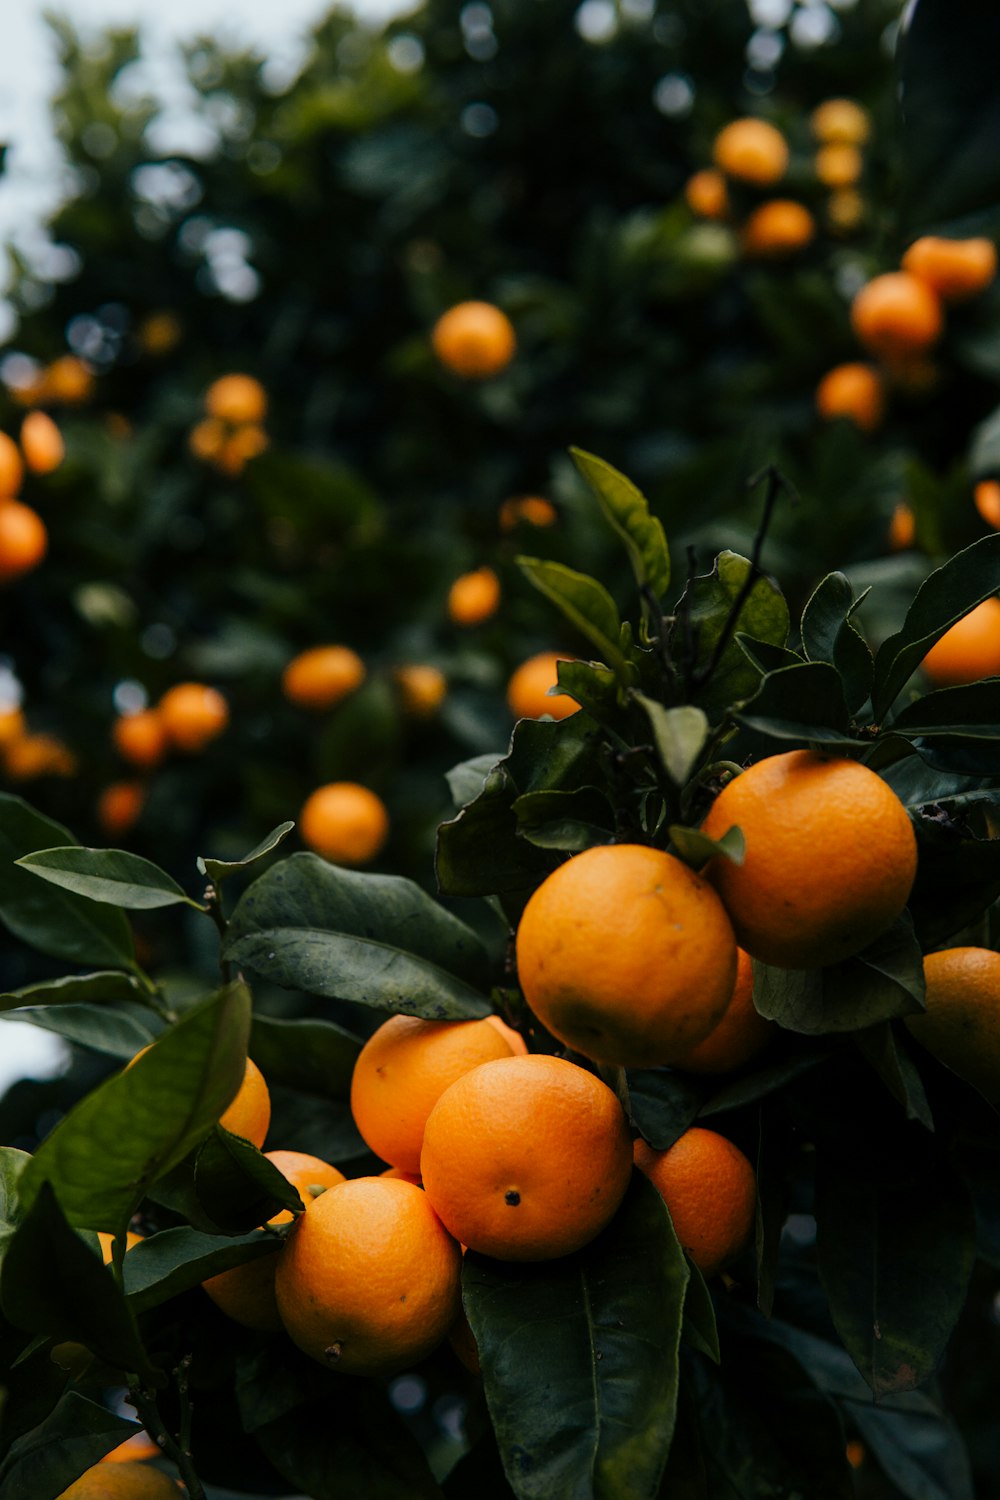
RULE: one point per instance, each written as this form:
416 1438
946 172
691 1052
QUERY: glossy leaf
76 1434
110 1029
830 635
102 1157
566 820
804 704
311 1055
955 727
219 870
111 876
374 939
627 509
586 603
173 1261
106 987
705 611
237 1184
679 735
580 1356
663 1103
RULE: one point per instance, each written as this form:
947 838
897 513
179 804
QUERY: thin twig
148 1413
213 905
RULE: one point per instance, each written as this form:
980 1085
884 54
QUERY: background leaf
627 509
108 875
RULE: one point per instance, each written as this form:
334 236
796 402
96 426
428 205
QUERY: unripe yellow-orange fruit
839 166
322 676
752 151
840 122
778 228
855 391
41 443
707 195
423 689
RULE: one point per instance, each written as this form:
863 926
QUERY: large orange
897 315
526 1158
24 540
236 399
752 151
322 676
344 822
778 228
369 1279
855 391
474 597
711 1191
141 738
830 858
626 955
969 651
738 1037
193 715
528 695
474 340
955 269
128 1481
961 1024
402 1071
41 443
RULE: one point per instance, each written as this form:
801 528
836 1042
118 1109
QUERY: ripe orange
838 165
955 269
528 689
41 443
778 228
128 1481
961 1025
711 1191
236 399
841 122
119 806
422 688
322 676
12 725
139 1446
247 442
141 738
531 509
246 1293
854 391
11 467
897 315
369 1279
738 1037
403 1176
33 755
108 1243
902 527
474 340
707 195
969 651
68 381
192 715
474 597
830 858
526 1158
626 955
751 150
401 1073
344 822
987 499
24 540
207 439
249 1115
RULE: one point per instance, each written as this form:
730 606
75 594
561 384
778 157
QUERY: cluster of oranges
66 381
232 431
26 754
24 539
188 717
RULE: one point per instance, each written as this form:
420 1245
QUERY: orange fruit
207 439
422 688
139 1446
969 651
401 1073
24 540
322 676
528 689
11 467
854 391
474 597
119 806
711 1191
192 715
141 738
369 1279
738 1037
236 399
961 1025
830 858
403 1176
159 333
838 165
897 315
626 955
33 755
840 122
845 210
127 1481
12 725
249 1115
41 443
778 228
474 340
247 442
344 822
987 500
246 1293
108 1243
955 269
752 151
902 527
526 1158
706 194
68 381
531 509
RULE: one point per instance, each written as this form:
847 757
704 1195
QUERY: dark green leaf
111 876
316 1057
104 988
679 735
173 1261
628 512
734 1093
766 657
566 820
585 603
696 848
829 634
104 1028
700 1330
887 1053
592 685
466 780
923 1455
141 1122
958 873
705 609
663 1103
580 1356
76 1434
374 939
237 1184
804 703
956 724
218 870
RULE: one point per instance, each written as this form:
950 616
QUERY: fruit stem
179 1453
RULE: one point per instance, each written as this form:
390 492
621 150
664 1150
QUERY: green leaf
804 704
895 1256
703 615
580 1356
112 876
663 1103
700 1329
107 987
103 1028
765 657
959 723
829 634
627 509
237 1184
958 872
566 820
218 870
696 848
373 939
950 592
882 982
679 735
315 1057
75 1435
592 685
173 1261
52 1283
58 923
748 1088
922 1454
134 1127
467 779
886 1052
585 603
